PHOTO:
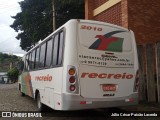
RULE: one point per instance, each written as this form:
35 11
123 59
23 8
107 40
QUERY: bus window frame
33 64
25 60
63 30
63 48
36 67
44 55
51 38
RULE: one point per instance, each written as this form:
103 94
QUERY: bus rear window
108 39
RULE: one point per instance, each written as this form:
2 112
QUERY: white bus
82 65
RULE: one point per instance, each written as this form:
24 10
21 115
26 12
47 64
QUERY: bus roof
78 20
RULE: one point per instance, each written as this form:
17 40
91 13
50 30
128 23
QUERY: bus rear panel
105 68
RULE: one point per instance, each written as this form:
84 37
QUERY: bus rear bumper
76 102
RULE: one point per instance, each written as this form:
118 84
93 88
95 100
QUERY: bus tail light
72 71
72 80
72 88
136 83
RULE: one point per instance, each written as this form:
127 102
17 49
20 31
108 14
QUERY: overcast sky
8 42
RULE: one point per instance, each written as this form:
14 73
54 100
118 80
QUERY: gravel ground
8 86
11 100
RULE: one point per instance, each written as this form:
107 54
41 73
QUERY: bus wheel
39 104
22 94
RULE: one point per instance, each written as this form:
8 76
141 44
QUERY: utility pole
54 16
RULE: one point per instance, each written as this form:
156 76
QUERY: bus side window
42 55
33 60
30 61
61 46
49 53
26 62
37 58
55 50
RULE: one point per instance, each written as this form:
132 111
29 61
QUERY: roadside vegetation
8 65
13 74
7 61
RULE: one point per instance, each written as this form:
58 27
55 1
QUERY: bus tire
22 94
40 105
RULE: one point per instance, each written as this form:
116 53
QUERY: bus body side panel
26 84
70 59
136 63
70 52
48 82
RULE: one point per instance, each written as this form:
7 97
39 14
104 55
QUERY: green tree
35 20
33 23
68 9
13 74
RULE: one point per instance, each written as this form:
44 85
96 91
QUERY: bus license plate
109 87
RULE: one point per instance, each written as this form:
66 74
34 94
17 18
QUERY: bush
13 74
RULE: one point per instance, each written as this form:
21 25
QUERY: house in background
3 77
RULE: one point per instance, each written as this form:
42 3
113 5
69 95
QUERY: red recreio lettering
83 75
93 75
108 76
43 78
102 75
117 76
